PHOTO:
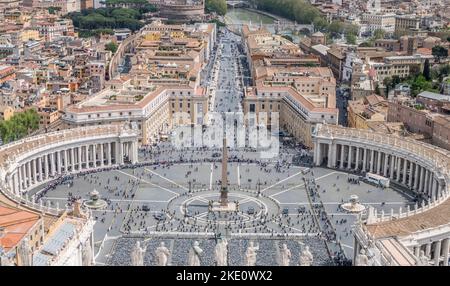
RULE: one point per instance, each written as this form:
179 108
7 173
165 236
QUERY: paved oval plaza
170 202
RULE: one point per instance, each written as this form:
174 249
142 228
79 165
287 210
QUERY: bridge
278 26
238 3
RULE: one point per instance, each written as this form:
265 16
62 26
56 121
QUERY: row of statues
162 254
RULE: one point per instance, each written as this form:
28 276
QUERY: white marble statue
221 252
423 259
4 259
87 254
25 254
162 254
285 255
306 257
250 254
362 259
194 254
137 255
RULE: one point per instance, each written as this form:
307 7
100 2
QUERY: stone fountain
353 205
95 202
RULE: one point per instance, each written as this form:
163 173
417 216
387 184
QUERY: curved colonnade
418 167
29 162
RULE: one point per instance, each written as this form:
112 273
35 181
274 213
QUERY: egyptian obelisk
224 188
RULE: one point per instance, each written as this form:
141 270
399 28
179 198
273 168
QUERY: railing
439 157
408 212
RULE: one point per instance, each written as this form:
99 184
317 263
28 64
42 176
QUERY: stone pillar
19 178
417 251
416 177
94 155
431 187
52 163
405 168
120 153
341 165
437 252
398 169
392 167
426 187
28 174
445 249
66 163
16 182
135 152
58 155
86 154
364 167
349 163
318 152
109 155
72 159
422 179
411 175
39 162
102 158
372 155
80 161
357 158
378 162
46 167
33 171
385 167
428 249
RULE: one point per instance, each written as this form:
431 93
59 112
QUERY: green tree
351 39
287 37
218 6
111 46
426 70
336 28
53 10
387 82
320 23
378 34
439 52
19 125
366 44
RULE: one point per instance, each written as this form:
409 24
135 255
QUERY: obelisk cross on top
224 188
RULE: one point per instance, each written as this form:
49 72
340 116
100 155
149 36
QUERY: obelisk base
218 207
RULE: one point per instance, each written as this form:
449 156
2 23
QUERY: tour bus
377 180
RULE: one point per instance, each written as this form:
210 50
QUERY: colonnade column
58 158
385 167
94 155
372 154
416 177
405 167
39 162
349 163
357 158
87 156
378 162
392 167
109 154
437 252
102 158
28 176
72 159
341 164
364 166
445 249
46 167
52 164
80 164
